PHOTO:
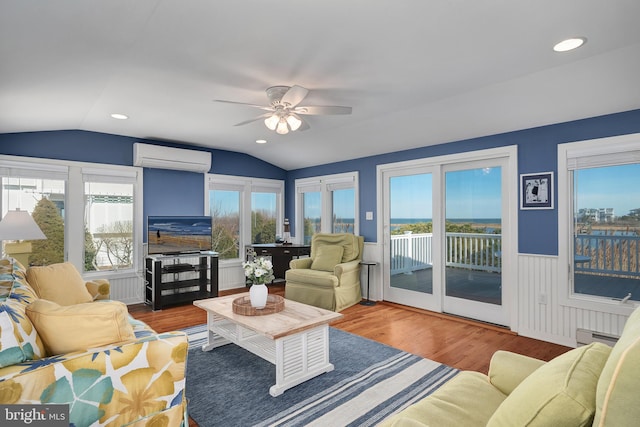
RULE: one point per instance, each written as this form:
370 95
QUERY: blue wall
166 192
181 193
537 152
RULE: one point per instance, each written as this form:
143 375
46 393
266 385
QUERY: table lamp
19 225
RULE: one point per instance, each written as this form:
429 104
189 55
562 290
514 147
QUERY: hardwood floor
460 343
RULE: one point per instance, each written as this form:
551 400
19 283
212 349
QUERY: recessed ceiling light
119 116
570 44
261 141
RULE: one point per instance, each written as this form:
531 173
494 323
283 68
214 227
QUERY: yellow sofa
593 385
109 368
330 278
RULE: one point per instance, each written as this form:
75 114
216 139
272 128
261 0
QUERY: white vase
258 295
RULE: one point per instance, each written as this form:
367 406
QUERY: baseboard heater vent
585 336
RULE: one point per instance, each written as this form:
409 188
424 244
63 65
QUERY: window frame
75 205
92 174
326 184
609 151
246 186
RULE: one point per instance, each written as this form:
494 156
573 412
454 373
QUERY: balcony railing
411 252
608 255
596 254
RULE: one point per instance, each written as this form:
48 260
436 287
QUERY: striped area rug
229 386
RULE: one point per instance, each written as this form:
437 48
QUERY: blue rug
229 386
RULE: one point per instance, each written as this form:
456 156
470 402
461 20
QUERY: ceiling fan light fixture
294 122
272 122
282 127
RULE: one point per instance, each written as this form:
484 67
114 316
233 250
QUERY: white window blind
605 154
128 175
16 169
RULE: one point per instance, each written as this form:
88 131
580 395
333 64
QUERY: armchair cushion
617 394
507 369
65 329
60 283
468 399
349 242
559 393
327 257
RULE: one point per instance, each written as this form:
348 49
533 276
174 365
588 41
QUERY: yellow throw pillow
327 257
560 393
60 283
79 327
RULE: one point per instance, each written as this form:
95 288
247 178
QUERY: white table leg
300 357
213 340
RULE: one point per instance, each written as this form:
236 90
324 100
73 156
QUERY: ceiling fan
283 113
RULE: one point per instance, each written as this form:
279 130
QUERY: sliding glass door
446 231
473 241
410 242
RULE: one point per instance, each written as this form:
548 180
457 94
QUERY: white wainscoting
129 290
230 275
540 313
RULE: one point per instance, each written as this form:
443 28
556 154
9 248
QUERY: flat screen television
171 235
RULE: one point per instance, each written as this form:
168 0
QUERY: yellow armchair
330 278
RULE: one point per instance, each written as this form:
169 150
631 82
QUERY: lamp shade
282 127
294 122
272 121
18 225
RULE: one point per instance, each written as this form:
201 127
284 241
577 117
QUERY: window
327 204
44 199
225 212
343 204
312 216
601 218
108 221
263 217
244 211
91 214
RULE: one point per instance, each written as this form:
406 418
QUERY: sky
471 194
616 187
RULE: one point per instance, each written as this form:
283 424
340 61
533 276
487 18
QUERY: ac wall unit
157 156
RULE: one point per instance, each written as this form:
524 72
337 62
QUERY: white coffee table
295 339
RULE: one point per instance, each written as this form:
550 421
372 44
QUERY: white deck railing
608 255
411 252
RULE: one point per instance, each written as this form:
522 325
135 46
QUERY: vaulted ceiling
416 72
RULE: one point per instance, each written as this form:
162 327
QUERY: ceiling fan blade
262 107
294 96
262 116
322 110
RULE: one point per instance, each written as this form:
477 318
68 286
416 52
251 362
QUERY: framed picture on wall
536 190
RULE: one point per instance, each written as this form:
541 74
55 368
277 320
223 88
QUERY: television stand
180 279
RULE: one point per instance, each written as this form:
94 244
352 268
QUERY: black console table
280 255
177 279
